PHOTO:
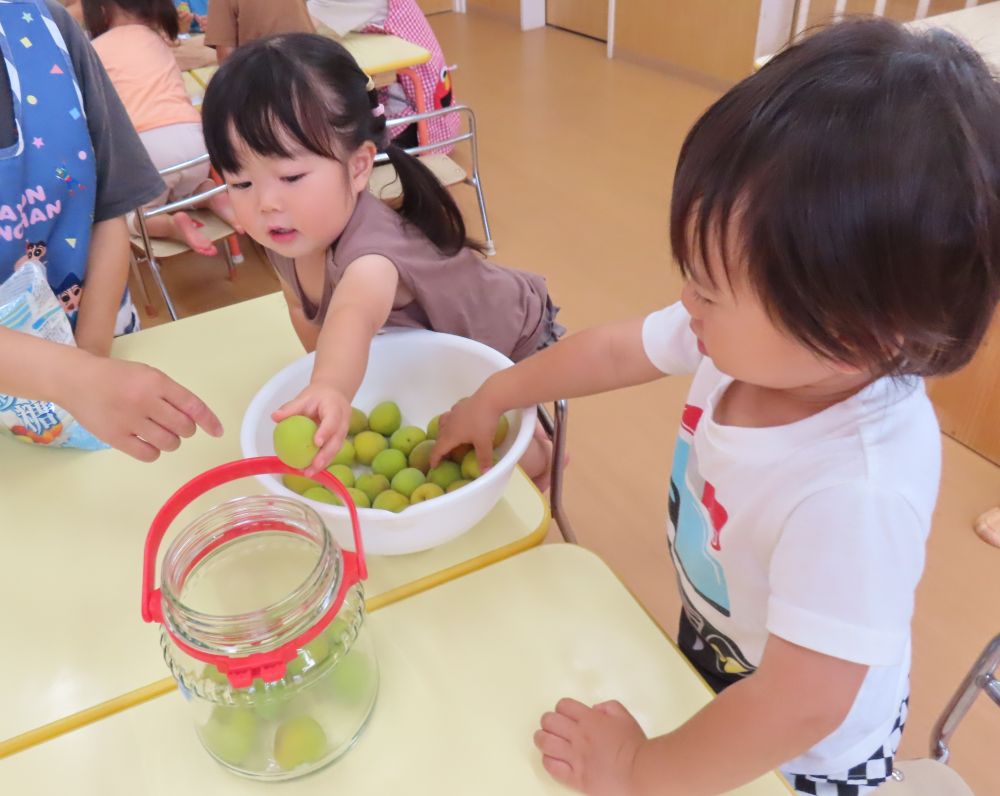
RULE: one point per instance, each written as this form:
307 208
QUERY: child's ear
360 166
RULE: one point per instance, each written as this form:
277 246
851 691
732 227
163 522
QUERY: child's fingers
560 725
560 770
552 745
484 453
136 448
296 406
612 708
192 406
572 708
173 419
157 436
325 454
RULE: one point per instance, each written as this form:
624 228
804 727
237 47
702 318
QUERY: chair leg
475 182
233 242
230 264
143 290
155 268
556 429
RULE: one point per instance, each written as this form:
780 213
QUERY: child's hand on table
473 421
331 411
135 408
590 749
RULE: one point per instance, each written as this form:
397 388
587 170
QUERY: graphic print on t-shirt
698 519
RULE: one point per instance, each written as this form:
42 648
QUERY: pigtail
426 203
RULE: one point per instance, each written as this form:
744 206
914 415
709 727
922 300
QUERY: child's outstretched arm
592 361
359 307
130 406
107 275
795 699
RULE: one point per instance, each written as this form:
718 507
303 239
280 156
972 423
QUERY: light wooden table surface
467 669
74 525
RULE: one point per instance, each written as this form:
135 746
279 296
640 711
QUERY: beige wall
714 38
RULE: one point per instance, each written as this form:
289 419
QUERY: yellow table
74 525
377 54
467 669
980 26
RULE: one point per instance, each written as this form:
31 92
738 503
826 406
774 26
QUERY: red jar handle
224 473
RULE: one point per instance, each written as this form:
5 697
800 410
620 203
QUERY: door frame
533 16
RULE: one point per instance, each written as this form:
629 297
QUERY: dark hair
158 14
308 88
861 171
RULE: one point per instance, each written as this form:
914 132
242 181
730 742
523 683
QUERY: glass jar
249 577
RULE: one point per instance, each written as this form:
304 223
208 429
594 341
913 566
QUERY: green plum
434 427
424 492
368 445
501 433
454 486
210 672
345 455
390 500
385 418
342 473
293 441
299 741
230 733
405 481
389 462
312 654
445 473
359 422
351 679
420 456
407 438
470 466
320 494
360 499
298 483
372 485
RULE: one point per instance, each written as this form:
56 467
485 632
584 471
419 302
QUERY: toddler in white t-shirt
837 217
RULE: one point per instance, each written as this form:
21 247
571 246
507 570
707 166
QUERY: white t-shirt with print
813 531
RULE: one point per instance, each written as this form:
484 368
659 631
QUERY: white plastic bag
28 305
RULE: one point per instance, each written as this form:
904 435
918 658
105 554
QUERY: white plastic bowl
425 373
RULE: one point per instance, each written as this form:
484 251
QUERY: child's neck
753 406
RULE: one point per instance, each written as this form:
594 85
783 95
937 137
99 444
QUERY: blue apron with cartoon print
47 176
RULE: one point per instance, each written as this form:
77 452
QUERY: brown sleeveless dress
461 294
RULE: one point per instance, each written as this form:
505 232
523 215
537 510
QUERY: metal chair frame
181 204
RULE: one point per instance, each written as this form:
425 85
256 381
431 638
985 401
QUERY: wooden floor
577 155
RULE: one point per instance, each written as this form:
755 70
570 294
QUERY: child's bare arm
360 306
795 699
592 361
308 333
130 406
107 274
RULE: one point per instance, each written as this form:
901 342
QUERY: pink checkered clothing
406 20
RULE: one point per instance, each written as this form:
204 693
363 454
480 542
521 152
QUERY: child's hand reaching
473 421
591 749
331 411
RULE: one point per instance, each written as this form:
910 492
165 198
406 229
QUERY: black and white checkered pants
862 778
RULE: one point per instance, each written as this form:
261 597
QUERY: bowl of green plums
404 505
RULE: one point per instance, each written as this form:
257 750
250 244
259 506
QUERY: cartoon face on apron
47 176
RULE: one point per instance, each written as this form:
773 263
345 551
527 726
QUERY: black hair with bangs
858 174
306 88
